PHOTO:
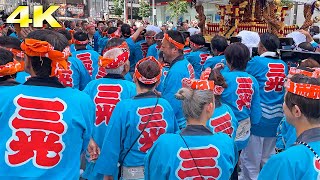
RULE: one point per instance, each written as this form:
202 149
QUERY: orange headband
10 68
314 74
115 34
33 47
203 83
175 43
15 52
111 63
306 90
196 45
81 42
143 79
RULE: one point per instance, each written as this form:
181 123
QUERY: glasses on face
149 37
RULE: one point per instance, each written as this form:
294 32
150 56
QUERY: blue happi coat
153 50
76 76
242 95
215 155
22 77
90 59
197 59
106 93
134 55
179 69
73 48
223 120
41 134
286 135
297 162
127 122
270 74
165 70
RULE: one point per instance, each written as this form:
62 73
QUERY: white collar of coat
268 53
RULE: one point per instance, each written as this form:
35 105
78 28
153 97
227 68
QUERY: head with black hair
237 56
100 26
184 26
5 58
314 30
126 30
84 25
197 41
301 108
268 43
41 66
67 24
66 33
306 46
80 36
111 30
219 80
72 24
218 45
172 46
11 43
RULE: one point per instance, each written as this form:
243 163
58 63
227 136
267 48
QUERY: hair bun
184 93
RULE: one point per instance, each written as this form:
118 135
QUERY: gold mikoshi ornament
277 2
317 4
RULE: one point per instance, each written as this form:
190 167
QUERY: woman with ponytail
196 152
135 125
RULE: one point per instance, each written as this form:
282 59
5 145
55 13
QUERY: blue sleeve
256 113
234 122
251 67
280 143
174 81
276 168
113 143
152 51
96 38
84 76
314 44
89 115
154 165
89 47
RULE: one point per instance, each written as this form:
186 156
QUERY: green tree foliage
177 8
118 7
144 10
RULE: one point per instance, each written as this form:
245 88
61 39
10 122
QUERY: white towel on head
249 38
153 28
193 31
298 37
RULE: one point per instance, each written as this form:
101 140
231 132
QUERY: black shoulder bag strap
144 128
195 163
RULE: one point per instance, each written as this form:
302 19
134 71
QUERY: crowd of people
113 100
